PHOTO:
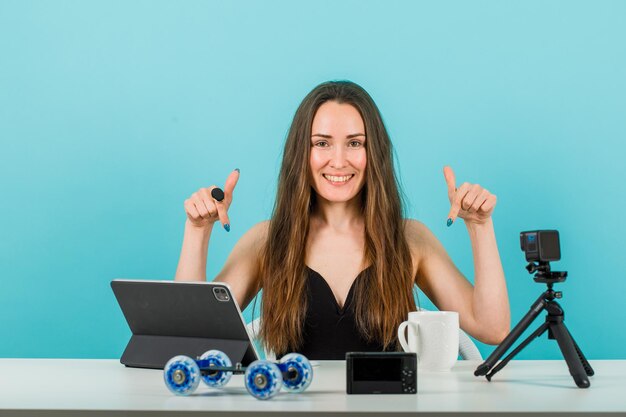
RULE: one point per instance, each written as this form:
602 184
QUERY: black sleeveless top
330 331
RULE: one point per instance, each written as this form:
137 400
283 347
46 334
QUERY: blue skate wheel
181 375
263 379
297 372
217 378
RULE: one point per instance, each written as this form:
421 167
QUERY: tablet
169 318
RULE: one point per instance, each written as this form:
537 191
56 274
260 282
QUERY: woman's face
338 156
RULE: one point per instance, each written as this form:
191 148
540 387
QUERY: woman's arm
490 300
240 271
193 255
483 307
203 210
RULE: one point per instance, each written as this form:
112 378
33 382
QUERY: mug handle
402 338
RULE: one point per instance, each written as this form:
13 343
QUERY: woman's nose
338 157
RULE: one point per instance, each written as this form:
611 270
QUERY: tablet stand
153 351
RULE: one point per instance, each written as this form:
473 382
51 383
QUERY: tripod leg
523 324
568 349
583 359
517 350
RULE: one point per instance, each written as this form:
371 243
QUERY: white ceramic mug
434 337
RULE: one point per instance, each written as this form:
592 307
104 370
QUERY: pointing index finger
231 182
450 179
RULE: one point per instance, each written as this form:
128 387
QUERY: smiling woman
340 265
338 157
338 261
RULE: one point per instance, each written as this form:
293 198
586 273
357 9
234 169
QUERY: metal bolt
179 376
292 373
260 381
212 373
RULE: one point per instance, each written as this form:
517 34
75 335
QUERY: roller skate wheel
298 372
181 375
263 379
218 378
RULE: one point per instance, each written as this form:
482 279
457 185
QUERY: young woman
337 261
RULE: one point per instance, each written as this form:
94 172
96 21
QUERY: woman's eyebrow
353 135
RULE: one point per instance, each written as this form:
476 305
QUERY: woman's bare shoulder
247 249
421 241
256 236
416 232
260 229
420 238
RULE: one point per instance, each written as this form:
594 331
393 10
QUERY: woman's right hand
203 210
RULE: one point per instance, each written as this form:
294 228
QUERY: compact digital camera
381 373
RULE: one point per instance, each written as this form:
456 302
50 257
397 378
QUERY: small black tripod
578 365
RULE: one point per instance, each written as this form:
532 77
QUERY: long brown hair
383 297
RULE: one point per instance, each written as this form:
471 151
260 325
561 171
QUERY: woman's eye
321 144
355 144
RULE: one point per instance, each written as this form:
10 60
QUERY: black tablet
169 318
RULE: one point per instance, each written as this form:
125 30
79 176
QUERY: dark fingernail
227 227
237 169
449 222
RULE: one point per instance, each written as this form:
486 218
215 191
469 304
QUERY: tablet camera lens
221 294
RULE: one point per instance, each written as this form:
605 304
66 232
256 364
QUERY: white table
70 387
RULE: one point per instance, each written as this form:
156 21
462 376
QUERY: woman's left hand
471 202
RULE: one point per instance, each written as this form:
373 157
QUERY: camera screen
377 369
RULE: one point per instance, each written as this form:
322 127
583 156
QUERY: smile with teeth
332 178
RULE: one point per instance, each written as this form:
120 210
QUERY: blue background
112 113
